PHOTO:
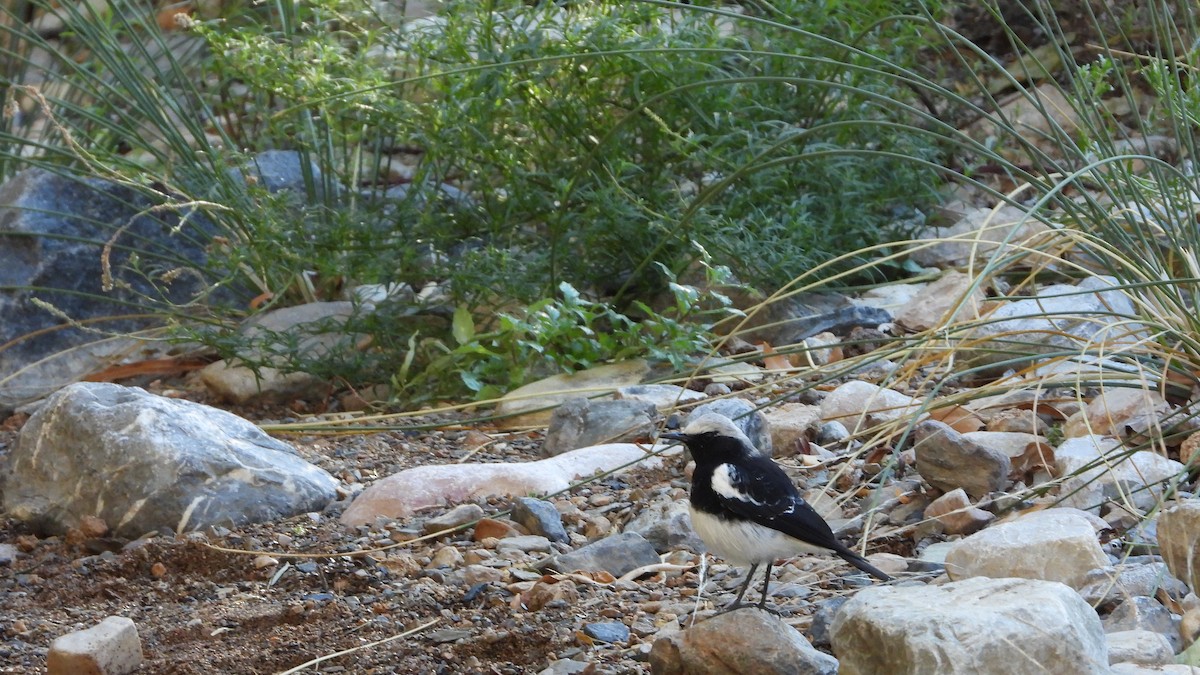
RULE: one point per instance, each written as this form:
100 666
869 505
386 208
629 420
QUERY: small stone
539 517
1105 587
112 647
264 561
612 632
617 555
529 543
565 667
748 418
455 517
667 525
8 553
861 405
496 529
832 433
93 527
715 389
446 556
1179 539
158 570
477 574
818 632
543 593
956 514
583 422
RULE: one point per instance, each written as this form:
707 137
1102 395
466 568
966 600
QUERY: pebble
264 561
613 632
446 556
617 555
529 543
494 529
8 553
111 647
455 517
832 433
539 517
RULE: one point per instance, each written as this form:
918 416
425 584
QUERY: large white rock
862 405
1096 469
402 494
1052 545
1011 626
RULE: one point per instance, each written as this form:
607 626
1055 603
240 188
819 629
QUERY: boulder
1013 626
165 463
65 253
1053 545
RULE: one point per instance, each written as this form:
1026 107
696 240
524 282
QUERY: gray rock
8 553
948 461
617 555
53 230
1142 647
667 525
1145 614
531 404
456 517
166 463
1053 545
111 647
312 331
580 423
1179 541
539 517
1096 469
612 632
1061 317
565 667
861 405
529 543
818 632
1013 626
1106 586
284 171
831 433
742 641
749 419
661 396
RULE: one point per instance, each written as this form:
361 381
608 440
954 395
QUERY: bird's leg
737 602
762 602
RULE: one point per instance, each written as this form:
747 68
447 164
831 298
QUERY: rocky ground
306 587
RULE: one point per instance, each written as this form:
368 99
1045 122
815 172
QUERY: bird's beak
674 436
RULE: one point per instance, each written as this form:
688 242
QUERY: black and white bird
745 507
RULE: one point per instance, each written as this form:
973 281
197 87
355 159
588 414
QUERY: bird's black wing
760 491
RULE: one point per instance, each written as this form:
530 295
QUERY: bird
746 509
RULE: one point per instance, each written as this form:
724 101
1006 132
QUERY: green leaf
464 325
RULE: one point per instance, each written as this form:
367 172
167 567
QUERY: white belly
746 543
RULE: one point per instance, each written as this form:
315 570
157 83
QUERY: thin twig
334 655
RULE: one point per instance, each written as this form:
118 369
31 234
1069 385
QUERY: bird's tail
861 563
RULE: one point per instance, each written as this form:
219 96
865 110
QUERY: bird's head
713 437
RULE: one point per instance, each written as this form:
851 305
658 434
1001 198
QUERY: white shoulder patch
722 482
